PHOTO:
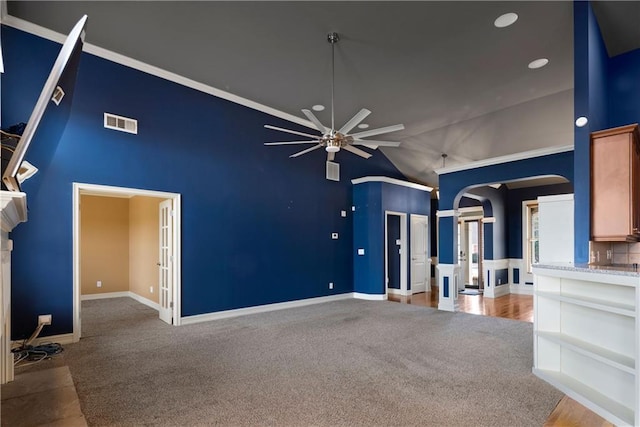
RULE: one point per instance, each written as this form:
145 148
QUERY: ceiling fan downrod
333 38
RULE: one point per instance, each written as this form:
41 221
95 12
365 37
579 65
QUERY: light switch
353 208
398 242
360 251
334 236
343 214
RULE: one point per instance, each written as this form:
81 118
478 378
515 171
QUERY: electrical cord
28 355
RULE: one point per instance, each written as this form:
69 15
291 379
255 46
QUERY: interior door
393 251
419 253
165 264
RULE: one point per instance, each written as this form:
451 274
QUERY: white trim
370 297
104 295
391 181
13 209
506 159
128 294
447 213
521 289
471 209
62 339
96 189
402 292
449 303
488 220
153 70
189 320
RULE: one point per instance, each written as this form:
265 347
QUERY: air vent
333 171
58 94
124 124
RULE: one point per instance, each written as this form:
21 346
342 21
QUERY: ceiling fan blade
291 142
360 116
357 151
300 153
367 142
331 155
295 132
322 128
378 131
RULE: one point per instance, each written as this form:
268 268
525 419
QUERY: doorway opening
161 259
395 253
470 253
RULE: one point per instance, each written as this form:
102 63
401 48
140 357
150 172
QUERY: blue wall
256 225
624 89
371 200
515 198
607 91
454 184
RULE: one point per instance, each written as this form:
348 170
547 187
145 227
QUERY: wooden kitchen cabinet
615 184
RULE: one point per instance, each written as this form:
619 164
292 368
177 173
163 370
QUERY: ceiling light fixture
505 20
363 126
332 139
581 121
318 107
538 63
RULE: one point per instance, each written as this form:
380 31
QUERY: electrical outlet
44 319
151 289
99 283
609 254
330 285
343 214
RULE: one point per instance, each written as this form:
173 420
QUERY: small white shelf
616 360
587 396
596 304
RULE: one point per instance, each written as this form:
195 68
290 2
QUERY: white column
448 285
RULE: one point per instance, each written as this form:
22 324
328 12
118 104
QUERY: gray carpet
342 363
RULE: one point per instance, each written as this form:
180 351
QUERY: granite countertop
617 269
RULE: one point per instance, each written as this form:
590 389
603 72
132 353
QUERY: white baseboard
370 297
145 301
419 288
498 291
394 291
188 320
521 289
104 295
129 294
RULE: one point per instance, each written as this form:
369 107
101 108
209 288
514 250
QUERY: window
532 251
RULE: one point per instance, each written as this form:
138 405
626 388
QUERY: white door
165 264
419 266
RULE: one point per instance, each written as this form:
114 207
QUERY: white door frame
403 252
427 260
106 190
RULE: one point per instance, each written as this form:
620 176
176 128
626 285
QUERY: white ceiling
460 85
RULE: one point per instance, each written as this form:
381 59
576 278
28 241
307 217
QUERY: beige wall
143 246
104 244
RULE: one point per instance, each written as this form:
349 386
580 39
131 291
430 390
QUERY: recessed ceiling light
363 125
505 20
318 107
581 121
538 63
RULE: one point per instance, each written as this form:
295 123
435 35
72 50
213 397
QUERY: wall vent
124 124
333 171
58 94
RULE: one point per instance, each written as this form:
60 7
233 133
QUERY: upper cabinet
615 184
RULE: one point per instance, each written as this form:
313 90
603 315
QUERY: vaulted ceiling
459 84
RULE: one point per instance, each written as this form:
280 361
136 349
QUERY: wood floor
568 413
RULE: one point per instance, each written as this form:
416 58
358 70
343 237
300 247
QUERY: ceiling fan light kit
334 140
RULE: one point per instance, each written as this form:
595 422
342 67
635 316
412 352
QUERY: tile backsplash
620 253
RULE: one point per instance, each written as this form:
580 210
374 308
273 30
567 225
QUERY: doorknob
158 264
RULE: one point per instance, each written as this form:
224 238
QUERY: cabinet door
611 177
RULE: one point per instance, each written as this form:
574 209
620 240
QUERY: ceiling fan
331 139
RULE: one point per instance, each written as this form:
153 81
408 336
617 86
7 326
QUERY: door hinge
171 304
172 212
170 258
